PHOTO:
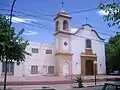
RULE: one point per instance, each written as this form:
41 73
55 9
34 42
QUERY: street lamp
95 62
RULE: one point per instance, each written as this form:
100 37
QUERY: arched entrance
89 67
65 69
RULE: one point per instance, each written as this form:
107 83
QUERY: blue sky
42 12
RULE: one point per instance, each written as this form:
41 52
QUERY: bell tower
63 43
62 21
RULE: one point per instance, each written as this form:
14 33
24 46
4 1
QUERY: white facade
78 46
40 59
43 59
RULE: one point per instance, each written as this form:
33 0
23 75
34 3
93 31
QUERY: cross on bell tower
62 3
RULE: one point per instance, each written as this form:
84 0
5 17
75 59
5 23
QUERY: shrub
79 81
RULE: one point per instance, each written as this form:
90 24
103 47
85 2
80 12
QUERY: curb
94 86
89 86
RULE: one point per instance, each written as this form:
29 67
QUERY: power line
71 13
27 14
29 24
51 15
34 22
37 24
40 25
45 27
53 30
104 34
74 12
42 14
80 11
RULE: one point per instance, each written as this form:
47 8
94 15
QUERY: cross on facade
62 3
86 20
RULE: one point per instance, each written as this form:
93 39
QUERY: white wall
99 49
17 69
78 46
39 59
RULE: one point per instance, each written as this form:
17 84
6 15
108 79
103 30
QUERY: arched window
57 26
88 43
65 25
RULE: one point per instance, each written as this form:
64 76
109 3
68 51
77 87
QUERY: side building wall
41 62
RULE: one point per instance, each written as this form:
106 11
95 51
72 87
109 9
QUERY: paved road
87 88
57 87
93 88
46 82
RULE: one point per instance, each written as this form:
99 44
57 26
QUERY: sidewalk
49 80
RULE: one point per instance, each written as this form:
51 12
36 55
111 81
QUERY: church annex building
74 52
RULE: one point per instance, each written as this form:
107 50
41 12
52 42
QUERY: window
88 43
57 26
10 67
34 50
48 51
34 69
50 69
65 25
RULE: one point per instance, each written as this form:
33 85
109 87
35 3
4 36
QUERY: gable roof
91 30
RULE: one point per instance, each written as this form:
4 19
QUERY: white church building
75 51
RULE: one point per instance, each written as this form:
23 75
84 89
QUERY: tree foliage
113 52
12 45
113 46
113 13
79 81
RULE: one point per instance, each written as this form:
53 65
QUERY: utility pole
6 61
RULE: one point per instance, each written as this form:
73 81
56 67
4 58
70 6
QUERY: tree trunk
5 77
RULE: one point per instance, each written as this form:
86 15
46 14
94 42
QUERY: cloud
110 11
102 12
73 30
21 20
17 20
28 32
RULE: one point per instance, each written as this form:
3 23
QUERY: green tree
113 46
113 52
113 13
12 45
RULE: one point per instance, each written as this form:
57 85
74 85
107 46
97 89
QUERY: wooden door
89 67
